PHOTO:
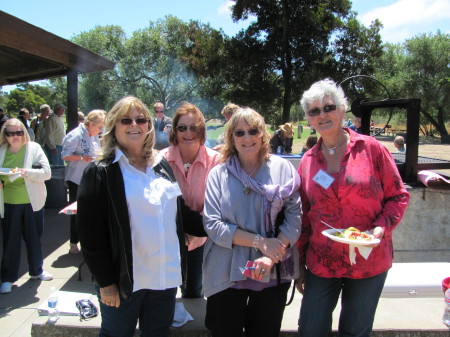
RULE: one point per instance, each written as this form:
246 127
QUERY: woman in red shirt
348 180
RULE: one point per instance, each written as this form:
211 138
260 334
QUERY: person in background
349 122
282 139
3 117
399 143
130 228
81 117
310 142
24 116
162 124
55 132
357 126
252 213
191 162
80 147
348 180
227 111
22 203
38 124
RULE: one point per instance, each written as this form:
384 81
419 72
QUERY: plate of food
351 236
9 171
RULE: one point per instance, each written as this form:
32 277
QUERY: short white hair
322 88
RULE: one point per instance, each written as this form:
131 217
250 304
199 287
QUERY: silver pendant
246 190
331 151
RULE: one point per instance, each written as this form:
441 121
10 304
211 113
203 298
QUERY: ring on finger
263 271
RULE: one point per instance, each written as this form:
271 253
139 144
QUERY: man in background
54 135
357 126
38 125
3 118
162 123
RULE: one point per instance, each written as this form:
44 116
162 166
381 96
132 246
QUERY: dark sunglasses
14 133
316 111
241 133
159 111
87 309
184 128
138 121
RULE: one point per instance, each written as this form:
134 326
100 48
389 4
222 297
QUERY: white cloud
224 8
406 18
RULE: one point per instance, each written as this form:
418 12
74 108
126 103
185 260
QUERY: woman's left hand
262 265
23 172
378 233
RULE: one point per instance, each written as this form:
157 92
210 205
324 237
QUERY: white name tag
323 179
173 190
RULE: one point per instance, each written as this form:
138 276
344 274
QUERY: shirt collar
119 155
354 138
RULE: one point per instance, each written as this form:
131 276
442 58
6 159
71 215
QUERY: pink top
367 192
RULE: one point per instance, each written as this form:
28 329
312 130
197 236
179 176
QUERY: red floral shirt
367 192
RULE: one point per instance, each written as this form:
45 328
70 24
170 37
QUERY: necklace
246 188
331 150
187 166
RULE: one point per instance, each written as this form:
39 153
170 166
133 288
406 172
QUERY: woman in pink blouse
191 162
348 180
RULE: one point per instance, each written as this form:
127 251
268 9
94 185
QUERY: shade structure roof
29 53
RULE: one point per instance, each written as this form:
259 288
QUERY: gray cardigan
227 208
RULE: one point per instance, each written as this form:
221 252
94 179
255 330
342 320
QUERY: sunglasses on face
14 133
184 128
241 133
159 111
316 111
138 121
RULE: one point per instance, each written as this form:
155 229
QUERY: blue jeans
193 288
154 309
54 159
358 305
21 221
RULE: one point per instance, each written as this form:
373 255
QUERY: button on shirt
156 252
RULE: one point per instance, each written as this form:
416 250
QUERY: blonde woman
21 202
129 226
80 147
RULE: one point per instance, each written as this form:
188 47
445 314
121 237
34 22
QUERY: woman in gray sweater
252 218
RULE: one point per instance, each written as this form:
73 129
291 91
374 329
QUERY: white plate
7 172
329 233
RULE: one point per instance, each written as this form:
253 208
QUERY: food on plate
15 170
353 233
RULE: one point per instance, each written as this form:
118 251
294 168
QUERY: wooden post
72 99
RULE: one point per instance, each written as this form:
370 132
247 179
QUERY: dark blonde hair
255 121
121 109
185 109
14 122
95 117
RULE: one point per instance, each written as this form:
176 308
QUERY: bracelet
81 157
255 241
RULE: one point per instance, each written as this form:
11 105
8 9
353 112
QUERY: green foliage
23 98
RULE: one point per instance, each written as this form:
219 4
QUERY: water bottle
279 150
446 316
53 312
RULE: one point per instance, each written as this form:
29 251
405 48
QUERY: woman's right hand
273 248
110 296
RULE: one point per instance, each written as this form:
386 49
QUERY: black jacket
104 227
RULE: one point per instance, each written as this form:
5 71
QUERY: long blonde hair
121 109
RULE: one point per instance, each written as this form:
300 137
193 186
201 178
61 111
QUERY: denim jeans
154 309
193 288
358 305
21 221
54 159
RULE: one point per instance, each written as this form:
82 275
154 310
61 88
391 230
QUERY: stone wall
424 233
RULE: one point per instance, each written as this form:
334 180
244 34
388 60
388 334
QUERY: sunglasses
184 128
14 133
159 111
316 111
138 121
251 132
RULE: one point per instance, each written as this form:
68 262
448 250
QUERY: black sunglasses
138 121
316 111
184 128
159 111
87 309
14 133
241 133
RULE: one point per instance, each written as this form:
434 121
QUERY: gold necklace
246 188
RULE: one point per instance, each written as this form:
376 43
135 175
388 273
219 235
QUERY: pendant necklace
331 150
246 188
187 166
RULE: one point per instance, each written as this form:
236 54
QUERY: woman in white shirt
130 231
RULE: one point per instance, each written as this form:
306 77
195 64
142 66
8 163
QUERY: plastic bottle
279 150
53 312
446 316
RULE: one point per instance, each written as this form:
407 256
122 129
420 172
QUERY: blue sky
402 19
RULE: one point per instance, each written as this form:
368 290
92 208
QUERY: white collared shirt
152 211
